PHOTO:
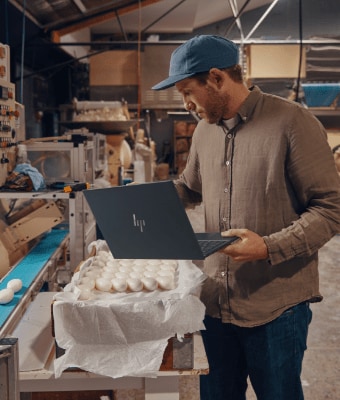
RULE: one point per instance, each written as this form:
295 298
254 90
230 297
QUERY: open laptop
148 221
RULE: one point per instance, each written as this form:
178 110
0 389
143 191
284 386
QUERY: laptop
148 221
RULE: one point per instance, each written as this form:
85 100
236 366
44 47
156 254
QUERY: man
264 171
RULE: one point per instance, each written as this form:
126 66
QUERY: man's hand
250 247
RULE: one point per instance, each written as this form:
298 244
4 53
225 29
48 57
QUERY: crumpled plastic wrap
125 334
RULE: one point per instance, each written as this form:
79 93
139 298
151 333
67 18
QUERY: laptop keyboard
210 246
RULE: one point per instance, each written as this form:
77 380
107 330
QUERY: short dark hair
235 73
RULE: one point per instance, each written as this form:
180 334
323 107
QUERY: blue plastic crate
320 94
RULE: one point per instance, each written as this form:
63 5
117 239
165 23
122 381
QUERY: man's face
206 100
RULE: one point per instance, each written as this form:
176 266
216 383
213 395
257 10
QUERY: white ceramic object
104 285
119 284
134 284
15 285
6 295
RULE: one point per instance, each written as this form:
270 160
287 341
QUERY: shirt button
229 136
226 190
223 273
224 219
227 163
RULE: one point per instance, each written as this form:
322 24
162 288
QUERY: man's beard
216 107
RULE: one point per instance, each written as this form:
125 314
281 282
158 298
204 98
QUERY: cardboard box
114 68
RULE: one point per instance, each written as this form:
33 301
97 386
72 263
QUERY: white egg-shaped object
165 282
173 263
152 267
166 273
138 268
126 262
119 284
92 274
134 284
121 275
88 282
15 285
149 284
107 275
136 275
110 269
154 262
125 268
6 295
104 285
150 274
112 263
168 267
140 262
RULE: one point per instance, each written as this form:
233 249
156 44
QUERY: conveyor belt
29 267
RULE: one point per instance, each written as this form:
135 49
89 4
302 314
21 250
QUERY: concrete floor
321 367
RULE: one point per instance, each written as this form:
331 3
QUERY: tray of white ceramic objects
104 275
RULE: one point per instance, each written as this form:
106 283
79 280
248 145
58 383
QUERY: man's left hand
250 247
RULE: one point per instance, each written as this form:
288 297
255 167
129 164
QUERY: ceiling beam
24 11
80 5
91 21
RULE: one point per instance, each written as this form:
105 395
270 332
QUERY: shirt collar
248 106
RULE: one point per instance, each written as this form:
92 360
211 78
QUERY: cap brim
171 81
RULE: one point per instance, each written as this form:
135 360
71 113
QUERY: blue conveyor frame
28 270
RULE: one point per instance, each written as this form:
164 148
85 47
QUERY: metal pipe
229 28
328 42
259 22
233 6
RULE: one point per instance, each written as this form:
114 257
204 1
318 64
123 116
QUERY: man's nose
189 106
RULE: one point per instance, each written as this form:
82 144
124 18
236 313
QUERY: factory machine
9 115
17 233
44 232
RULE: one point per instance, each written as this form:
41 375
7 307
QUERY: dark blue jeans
271 355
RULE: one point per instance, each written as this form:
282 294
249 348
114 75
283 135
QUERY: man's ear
216 76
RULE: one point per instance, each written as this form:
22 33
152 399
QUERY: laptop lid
144 221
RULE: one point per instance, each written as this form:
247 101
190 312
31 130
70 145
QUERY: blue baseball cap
199 54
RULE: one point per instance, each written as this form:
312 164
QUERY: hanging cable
139 61
121 26
23 37
300 53
6 23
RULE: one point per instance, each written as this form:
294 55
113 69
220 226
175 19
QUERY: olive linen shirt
274 174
